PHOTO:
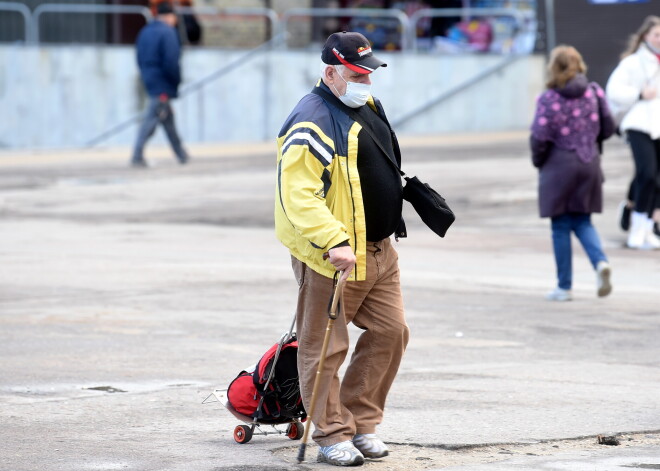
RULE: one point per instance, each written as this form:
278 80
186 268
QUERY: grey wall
610 26
65 96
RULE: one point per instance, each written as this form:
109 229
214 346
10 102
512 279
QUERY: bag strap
356 117
599 104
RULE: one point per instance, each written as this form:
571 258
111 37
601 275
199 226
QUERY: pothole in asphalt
108 389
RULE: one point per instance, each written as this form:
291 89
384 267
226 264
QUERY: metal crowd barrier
277 25
24 11
83 8
267 13
398 15
466 14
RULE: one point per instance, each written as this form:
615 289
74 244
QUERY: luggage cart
251 425
243 433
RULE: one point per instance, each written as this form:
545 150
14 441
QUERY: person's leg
588 237
561 244
171 132
630 196
146 130
333 422
656 211
646 169
379 349
626 207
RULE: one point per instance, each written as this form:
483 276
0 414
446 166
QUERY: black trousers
646 189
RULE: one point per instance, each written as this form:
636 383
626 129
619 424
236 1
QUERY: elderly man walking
338 202
158 55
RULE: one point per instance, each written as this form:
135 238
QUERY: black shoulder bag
429 205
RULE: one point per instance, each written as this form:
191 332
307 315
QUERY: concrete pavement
126 296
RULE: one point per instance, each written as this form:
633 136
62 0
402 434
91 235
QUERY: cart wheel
295 430
242 434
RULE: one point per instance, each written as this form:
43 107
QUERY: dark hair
636 39
564 64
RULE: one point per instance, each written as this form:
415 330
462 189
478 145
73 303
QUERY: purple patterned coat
564 147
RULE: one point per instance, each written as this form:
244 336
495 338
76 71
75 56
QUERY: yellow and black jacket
318 200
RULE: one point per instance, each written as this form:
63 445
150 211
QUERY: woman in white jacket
634 89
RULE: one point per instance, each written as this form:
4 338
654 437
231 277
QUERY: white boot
651 241
637 234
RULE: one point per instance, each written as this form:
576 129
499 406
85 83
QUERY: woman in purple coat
572 119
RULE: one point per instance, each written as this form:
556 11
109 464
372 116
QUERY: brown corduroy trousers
355 404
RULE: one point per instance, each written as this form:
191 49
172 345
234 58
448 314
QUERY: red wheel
295 431
242 434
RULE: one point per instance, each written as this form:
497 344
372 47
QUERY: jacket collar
648 64
646 54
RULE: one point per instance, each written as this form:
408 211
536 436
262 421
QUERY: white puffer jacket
624 87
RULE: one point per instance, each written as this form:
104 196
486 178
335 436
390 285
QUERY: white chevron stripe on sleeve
313 142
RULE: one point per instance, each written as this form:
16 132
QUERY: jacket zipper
350 185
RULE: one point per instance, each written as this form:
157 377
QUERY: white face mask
356 94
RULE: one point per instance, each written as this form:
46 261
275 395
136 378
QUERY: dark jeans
562 226
158 112
646 153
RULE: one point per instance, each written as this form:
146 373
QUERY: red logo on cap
363 50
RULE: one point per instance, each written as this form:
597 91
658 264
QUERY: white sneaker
603 273
341 454
650 239
559 294
370 445
637 233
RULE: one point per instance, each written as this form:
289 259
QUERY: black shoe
624 216
184 160
139 164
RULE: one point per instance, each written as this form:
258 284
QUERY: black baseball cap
352 50
163 8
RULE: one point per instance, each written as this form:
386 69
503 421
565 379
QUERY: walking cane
332 315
